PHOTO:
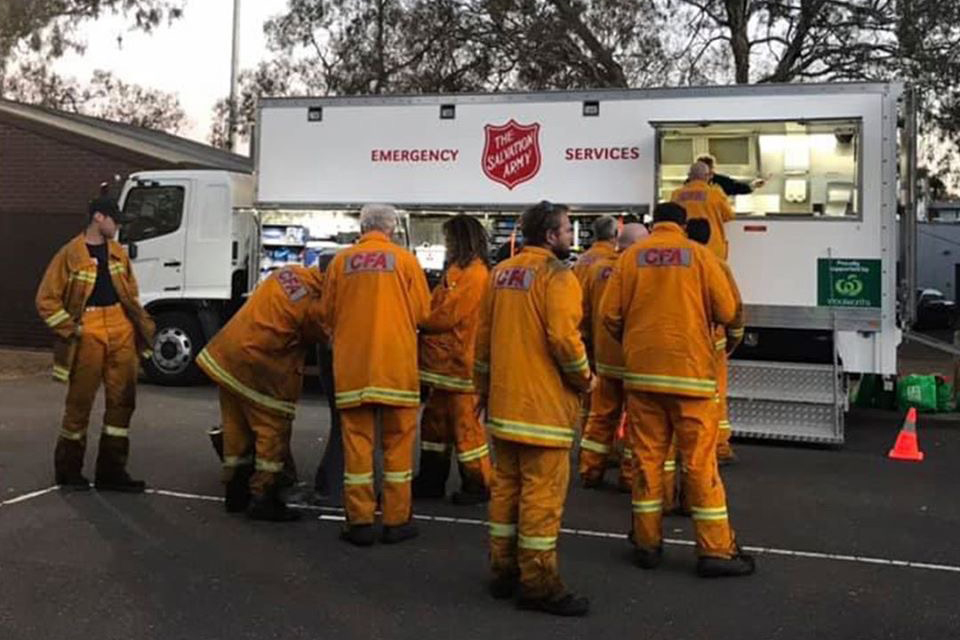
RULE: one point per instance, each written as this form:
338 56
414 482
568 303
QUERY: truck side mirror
132 250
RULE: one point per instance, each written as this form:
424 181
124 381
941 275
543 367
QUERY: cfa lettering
602 153
414 155
514 278
370 261
291 284
692 196
664 258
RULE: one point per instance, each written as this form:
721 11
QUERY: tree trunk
738 17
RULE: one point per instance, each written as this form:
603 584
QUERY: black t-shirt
103 294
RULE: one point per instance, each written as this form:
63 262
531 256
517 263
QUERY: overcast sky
190 58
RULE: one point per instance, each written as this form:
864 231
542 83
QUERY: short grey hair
699 171
605 228
378 217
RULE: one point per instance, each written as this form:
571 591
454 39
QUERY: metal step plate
782 382
797 421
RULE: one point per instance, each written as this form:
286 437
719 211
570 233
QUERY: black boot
360 535
72 481
119 481
565 604
271 508
238 489
740 564
647 558
431 480
399 533
472 491
504 585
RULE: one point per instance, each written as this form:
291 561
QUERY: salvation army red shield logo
511 153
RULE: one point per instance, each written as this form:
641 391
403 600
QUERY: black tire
178 340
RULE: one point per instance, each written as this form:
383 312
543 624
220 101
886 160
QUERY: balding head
629 234
699 171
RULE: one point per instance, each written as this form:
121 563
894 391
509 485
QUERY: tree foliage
105 96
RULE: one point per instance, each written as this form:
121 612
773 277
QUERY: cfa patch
291 284
664 257
692 196
364 261
519 278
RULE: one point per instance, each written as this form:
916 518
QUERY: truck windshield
150 212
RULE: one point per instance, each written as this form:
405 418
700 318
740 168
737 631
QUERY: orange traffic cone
906 447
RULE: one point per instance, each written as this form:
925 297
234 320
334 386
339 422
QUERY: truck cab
200 218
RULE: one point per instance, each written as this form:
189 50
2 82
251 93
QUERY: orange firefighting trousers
526 505
399 430
253 436
603 421
655 418
450 417
106 352
723 442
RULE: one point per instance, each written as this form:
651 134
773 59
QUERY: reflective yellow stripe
221 375
628 454
118 268
146 354
237 461
268 466
575 365
439 447
537 543
61 374
647 506
397 476
473 454
670 465
378 394
610 371
116 432
481 367
725 425
358 478
720 344
500 530
73 435
84 276
708 513
59 317
547 433
449 382
596 447
736 333
672 383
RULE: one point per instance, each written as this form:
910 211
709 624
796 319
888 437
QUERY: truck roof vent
448 111
314 114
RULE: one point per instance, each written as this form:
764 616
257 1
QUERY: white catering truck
815 249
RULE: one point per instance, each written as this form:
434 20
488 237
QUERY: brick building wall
47 176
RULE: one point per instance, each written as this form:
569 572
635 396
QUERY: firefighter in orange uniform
375 295
663 300
726 340
447 343
701 199
531 367
257 361
604 246
89 298
606 401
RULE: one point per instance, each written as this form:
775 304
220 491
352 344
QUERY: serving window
798 169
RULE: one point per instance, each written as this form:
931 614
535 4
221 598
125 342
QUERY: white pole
234 65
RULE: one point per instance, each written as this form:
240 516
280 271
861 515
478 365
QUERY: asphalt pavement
852 545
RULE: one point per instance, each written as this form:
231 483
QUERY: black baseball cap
105 205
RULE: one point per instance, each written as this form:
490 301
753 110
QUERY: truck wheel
178 341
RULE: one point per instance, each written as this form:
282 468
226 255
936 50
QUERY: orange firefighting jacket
448 335
663 299
704 200
530 360
65 288
599 249
728 338
259 354
375 295
607 352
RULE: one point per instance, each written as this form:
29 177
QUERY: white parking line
335 514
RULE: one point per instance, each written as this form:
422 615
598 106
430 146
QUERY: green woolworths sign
843 282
